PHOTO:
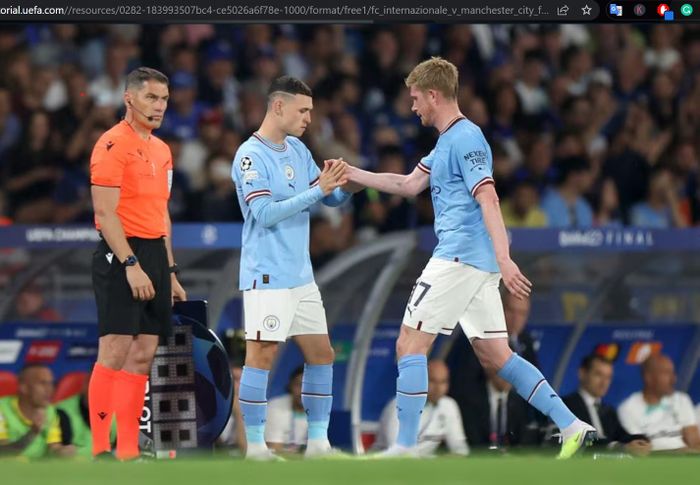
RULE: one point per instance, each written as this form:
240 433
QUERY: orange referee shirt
143 170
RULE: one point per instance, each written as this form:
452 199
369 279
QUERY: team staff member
29 425
133 271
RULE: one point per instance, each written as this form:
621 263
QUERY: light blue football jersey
459 164
275 250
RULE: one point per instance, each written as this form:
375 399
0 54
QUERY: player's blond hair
436 73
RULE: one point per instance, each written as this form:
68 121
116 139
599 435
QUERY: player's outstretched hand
332 176
515 281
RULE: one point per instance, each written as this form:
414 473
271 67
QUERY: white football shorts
448 292
276 314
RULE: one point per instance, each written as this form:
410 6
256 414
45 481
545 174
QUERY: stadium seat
8 384
69 385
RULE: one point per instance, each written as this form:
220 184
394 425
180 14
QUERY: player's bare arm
392 183
513 278
105 201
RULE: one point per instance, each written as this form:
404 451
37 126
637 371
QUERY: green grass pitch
480 470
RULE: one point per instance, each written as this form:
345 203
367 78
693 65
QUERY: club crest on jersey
271 323
289 172
246 163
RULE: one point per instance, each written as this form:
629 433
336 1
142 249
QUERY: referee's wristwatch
130 260
174 269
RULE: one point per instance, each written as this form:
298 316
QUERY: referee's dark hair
136 78
289 85
587 362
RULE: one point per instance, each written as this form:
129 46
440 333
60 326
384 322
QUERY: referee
133 270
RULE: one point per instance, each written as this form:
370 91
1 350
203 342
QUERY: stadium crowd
589 126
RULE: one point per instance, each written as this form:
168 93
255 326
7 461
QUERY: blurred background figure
565 205
476 392
595 375
31 305
517 313
441 421
29 423
522 208
75 422
287 427
233 435
658 411
502 419
661 209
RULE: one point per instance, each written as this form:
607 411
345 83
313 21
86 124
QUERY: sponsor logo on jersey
477 159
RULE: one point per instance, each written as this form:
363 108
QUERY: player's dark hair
140 75
587 361
289 85
569 166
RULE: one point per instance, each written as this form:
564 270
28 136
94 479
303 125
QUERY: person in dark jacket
595 374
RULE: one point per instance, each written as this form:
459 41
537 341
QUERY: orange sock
101 407
130 394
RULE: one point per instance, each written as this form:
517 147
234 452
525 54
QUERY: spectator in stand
108 89
661 210
607 206
377 212
31 305
31 172
4 219
220 202
185 111
10 126
625 98
522 208
565 205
